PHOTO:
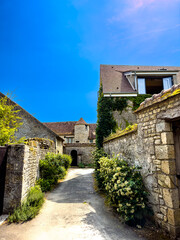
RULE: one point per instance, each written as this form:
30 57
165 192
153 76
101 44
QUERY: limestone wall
22 170
84 151
151 146
81 133
125 117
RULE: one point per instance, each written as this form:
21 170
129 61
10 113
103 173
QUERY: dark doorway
176 130
3 161
74 158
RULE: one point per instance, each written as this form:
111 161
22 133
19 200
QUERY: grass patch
29 208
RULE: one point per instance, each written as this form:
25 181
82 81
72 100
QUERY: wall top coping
157 98
79 144
118 134
40 140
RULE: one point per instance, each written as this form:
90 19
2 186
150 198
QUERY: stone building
154 144
130 81
79 139
33 128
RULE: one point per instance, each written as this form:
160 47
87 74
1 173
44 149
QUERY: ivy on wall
106 124
105 120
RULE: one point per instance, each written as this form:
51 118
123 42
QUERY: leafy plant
9 122
52 168
30 207
105 120
97 154
125 189
81 165
106 124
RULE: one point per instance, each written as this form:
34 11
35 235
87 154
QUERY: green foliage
53 168
138 100
85 165
97 154
105 121
29 208
9 122
81 165
125 189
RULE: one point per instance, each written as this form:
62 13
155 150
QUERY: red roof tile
67 128
81 122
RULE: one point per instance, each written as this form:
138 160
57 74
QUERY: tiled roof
67 128
114 80
61 128
81 122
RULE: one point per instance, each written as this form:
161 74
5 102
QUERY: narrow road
73 211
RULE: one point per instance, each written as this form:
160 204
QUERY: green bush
97 154
66 160
29 208
125 189
52 168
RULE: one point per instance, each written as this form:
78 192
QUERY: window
69 139
141 86
167 82
152 85
91 141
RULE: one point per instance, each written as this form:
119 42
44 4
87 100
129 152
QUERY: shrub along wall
151 146
22 169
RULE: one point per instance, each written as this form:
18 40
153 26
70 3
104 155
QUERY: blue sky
51 51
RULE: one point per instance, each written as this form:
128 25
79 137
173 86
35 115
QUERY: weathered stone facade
79 139
33 128
22 170
81 133
84 151
125 117
152 147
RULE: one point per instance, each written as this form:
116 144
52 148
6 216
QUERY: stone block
163 127
174 230
165 181
174 216
167 138
160 216
168 167
165 151
157 142
171 197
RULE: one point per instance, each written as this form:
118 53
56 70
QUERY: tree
9 122
105 120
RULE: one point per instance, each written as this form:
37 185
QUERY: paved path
73 211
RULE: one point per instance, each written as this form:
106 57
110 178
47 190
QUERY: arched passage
74 158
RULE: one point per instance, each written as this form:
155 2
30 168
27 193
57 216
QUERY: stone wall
81 133
32 128
125 117
152 147
22 169
84 151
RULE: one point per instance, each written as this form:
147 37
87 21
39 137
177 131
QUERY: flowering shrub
97 154
124 186
52 168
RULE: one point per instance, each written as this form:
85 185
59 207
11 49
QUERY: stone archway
74 158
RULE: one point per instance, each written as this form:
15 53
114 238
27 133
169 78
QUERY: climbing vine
105 120
106 124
